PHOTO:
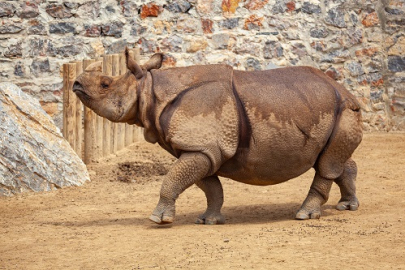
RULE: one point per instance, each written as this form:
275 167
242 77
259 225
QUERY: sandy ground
104 225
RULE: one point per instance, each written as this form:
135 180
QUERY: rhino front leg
215 198
318 195
186 171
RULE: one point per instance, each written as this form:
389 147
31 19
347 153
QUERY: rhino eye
105 82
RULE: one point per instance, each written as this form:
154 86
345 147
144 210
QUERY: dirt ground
104 225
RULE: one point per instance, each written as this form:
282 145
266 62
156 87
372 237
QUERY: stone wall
360 43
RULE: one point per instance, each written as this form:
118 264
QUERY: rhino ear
132 65
155 62
96 66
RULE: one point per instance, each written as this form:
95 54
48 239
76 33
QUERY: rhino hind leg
186 171
346 183
335 164
215 198
318 194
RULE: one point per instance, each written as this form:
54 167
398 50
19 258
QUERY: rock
38 47
207 26
255 4
10 28
398 48
7 9
188 25
29 9
70 46
299 49
394 11
319 46
147 45
58 11
351 37
252 64
229 6
33 154
220 41
253 22
370 19
36 28
396 63
319 32
290 6
37 67
89 10
310 8
92 30
172 44
371 51
375 79
197 45
179 6
19 69
129 8
117 46
336 17
279 7
338 56
150 10
62 28
165 27
113 29
355 68
14 50
137 28
248 47
272 49
229 23
205 7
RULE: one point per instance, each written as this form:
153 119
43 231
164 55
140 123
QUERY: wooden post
114 132
99 128
107 69
89 128
79 116
121 126
137 132
69 106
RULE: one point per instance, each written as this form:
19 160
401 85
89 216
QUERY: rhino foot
210 219
164 212
351 205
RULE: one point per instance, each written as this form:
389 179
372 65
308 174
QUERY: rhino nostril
77 86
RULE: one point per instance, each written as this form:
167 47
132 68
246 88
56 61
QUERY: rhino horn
96 66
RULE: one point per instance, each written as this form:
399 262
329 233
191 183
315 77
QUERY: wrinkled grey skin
259 128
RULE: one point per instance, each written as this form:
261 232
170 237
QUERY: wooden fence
90 135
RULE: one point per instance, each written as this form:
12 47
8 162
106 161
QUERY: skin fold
259 128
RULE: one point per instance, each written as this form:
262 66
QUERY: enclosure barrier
90 135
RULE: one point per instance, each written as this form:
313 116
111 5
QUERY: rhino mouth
79 90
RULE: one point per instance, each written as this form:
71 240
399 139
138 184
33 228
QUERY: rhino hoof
302 215
210 221
348 205
163 220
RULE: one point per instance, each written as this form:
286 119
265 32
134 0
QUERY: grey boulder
34 156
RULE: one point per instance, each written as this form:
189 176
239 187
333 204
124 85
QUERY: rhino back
290 114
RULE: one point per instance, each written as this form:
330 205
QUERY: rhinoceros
256 127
